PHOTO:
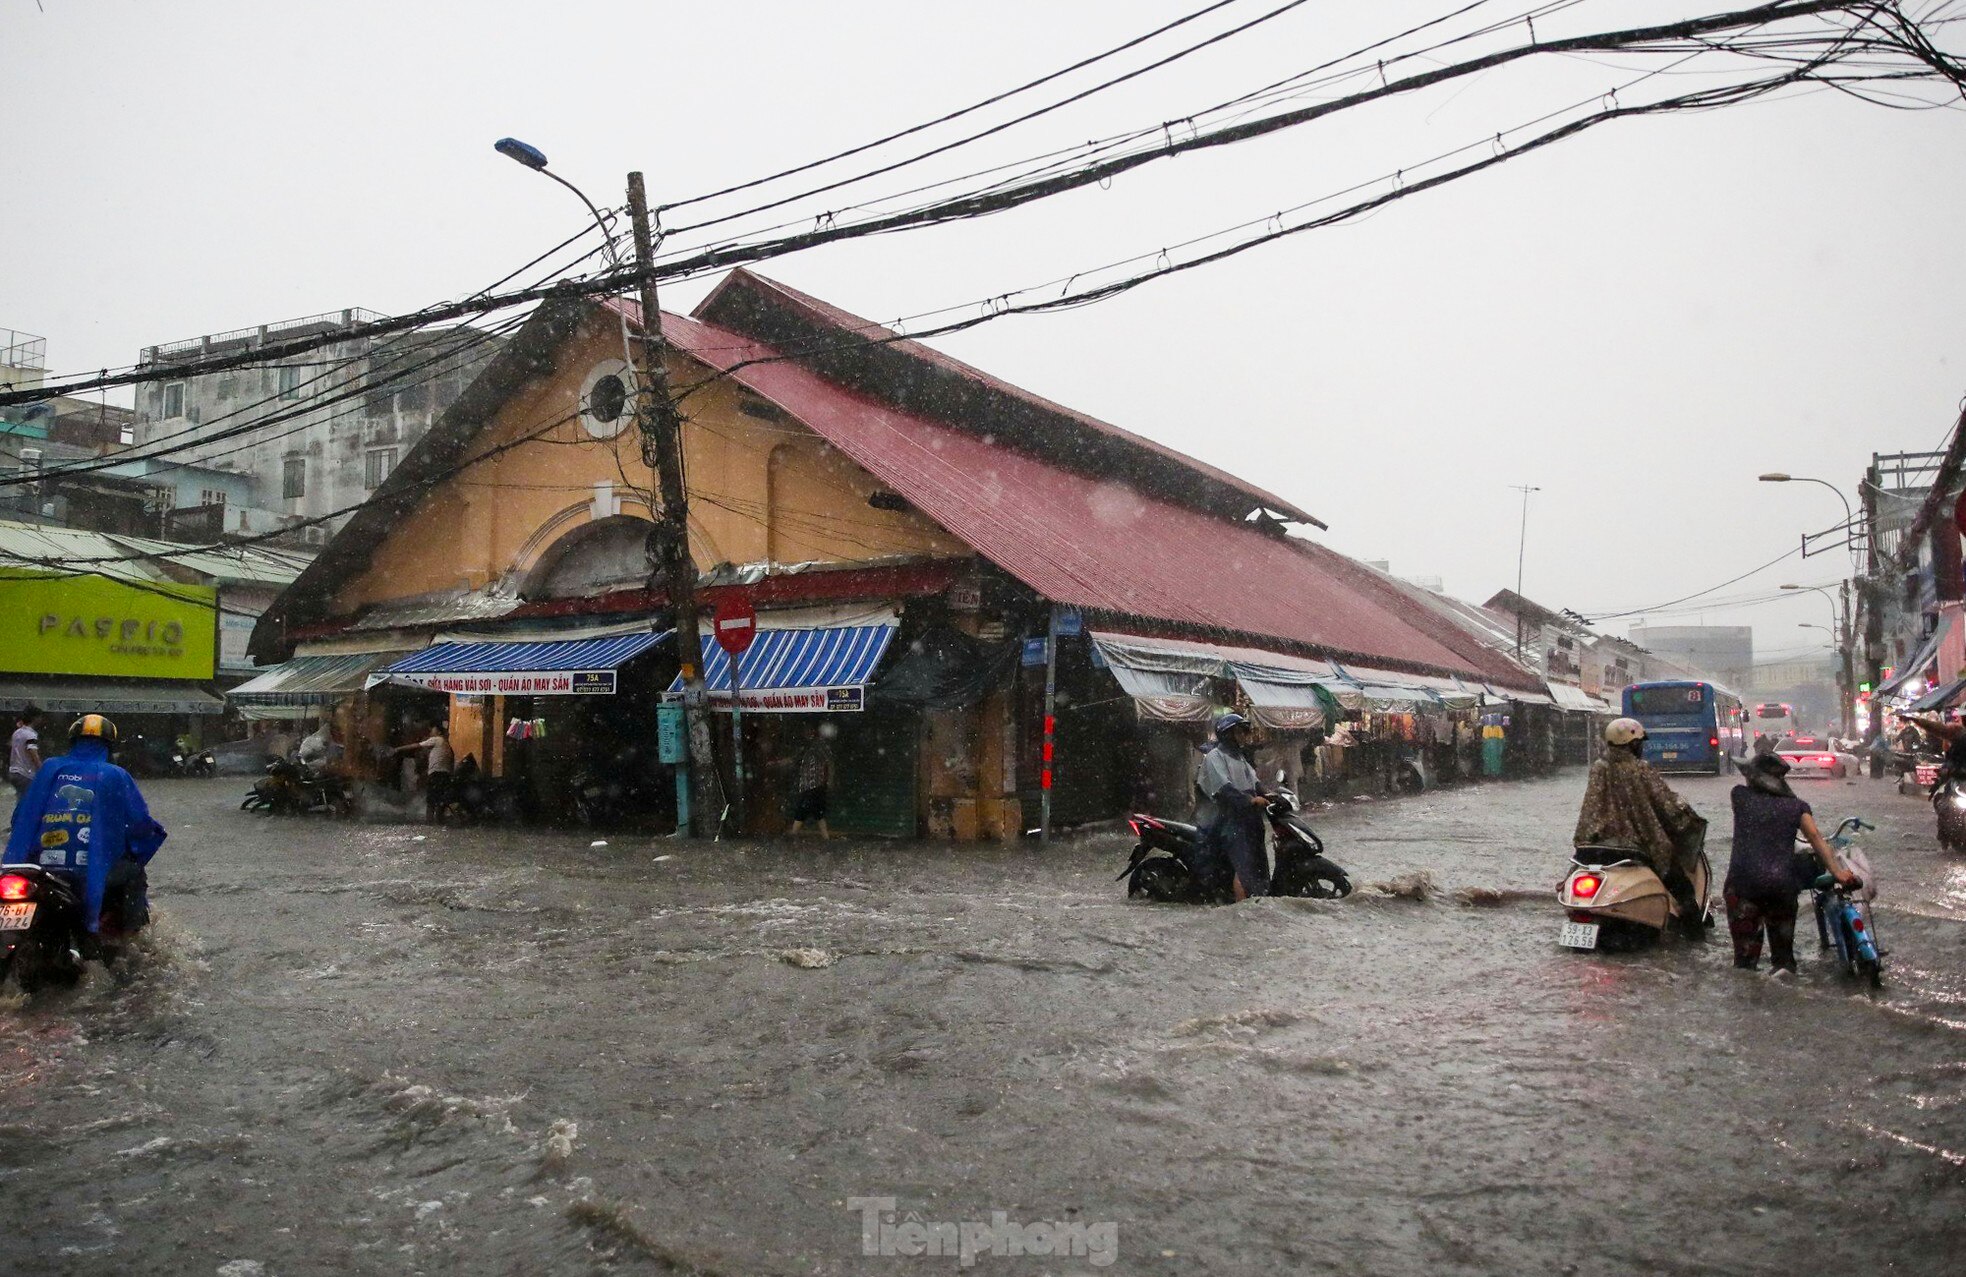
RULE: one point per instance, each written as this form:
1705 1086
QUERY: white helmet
1623 731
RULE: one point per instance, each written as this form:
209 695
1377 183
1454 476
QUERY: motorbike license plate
17 917
1579 935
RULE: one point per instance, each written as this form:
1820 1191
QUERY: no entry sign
735 623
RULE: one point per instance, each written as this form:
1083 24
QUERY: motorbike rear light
1857 923
1134 825
15 887
1584 886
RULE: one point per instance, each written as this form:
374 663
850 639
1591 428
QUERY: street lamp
535 159
1849 516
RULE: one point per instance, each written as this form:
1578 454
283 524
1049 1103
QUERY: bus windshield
1668 700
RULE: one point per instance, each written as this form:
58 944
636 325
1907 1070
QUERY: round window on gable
607 399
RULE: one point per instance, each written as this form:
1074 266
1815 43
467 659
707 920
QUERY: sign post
735 623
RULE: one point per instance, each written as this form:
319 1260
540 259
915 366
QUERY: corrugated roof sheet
1095 543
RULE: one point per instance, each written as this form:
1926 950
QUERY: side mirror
1281 776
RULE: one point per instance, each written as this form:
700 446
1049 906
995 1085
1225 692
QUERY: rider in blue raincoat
1229 810
83 815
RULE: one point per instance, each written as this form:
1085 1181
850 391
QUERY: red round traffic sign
735 623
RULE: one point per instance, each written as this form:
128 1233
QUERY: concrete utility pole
1521 551
662 452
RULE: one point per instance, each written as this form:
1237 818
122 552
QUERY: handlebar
1828 882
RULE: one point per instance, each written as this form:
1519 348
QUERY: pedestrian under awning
309 680
813 670
1919 661
106 696
537 667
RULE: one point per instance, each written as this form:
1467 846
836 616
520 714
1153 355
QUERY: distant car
1812 758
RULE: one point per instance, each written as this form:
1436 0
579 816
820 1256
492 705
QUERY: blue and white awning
550 667
798 671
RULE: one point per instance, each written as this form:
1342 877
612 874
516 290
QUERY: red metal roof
733 306
1099 544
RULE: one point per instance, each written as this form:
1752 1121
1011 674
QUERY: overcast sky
1636 321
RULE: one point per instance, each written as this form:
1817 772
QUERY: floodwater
380 1049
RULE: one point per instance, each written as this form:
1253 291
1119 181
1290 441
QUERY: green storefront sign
52 624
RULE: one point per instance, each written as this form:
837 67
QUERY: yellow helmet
93 725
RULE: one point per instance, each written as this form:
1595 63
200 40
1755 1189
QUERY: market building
926 546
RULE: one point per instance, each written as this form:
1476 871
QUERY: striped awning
107 696
544 667
310 680
797 671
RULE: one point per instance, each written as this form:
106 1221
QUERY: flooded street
376 1049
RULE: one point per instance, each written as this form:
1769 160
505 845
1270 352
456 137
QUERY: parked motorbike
289 789
1166 863
610 799
200 764
42 939
1918 774
1614 901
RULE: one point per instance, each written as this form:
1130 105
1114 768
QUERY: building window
293 478
376 465
174 399
211 496
289 382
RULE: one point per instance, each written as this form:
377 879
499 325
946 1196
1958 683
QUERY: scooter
1843 918
1949 805
42 939
289 789
1919 774
1166 864
1614 901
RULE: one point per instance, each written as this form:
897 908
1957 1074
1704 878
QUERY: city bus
1689 726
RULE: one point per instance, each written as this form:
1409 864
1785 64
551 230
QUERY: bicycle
1845 923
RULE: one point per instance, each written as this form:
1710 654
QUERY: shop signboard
91 625
795 700
518 683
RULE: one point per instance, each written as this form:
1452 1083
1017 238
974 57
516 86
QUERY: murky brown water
501 1052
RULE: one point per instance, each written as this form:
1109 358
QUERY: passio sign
52 624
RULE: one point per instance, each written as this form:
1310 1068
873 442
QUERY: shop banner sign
549 683
795 700
53 624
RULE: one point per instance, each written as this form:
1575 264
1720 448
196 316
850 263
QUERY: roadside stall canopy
1916 664
1386 692
540 667
1945 696
1169 679
306 681
814 670
1576 700
105 696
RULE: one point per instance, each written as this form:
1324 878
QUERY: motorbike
611 799
1615 901
289 789
1949 805
1843 918
200 764
1166 864
42 939
1918 774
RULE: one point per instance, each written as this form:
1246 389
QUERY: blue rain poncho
83 814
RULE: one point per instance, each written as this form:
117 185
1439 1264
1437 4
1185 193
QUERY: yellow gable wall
759 488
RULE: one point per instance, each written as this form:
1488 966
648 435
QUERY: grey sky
1638 321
